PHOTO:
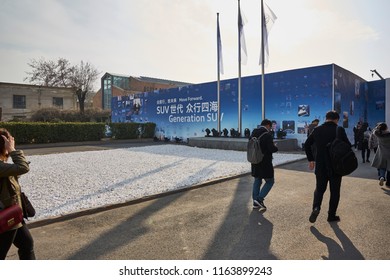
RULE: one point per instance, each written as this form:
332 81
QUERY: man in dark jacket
264 169
321 136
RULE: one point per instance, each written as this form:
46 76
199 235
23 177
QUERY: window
107 93
58 102
19 102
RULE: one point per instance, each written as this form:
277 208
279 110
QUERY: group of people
315 148
364 140
317 153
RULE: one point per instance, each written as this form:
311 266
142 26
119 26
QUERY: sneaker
262 206
381 180
333 218
368 160
314 215
256 204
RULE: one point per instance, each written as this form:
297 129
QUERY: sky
176 39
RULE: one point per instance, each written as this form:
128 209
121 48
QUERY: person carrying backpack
322 136
264 169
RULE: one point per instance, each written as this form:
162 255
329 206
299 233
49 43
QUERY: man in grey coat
264 169
382 156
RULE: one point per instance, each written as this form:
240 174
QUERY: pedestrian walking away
373 145
321 137
366 151
263 170
19 234
381 158
356 132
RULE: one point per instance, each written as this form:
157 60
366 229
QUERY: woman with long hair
10 193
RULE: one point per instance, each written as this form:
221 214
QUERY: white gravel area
59 184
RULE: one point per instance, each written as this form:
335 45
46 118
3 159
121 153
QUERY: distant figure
373 144
274 129
313 125
310 130
365 147
356 130
264 169
382 156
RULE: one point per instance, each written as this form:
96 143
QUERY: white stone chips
59 184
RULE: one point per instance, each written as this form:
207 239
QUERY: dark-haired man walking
320 137
265 169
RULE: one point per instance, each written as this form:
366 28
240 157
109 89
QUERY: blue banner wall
357 100
293 99
376 97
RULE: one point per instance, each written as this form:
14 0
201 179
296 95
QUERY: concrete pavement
216 221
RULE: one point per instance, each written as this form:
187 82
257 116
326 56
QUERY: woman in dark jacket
264 169
19 235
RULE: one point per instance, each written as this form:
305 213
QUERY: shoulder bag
12 215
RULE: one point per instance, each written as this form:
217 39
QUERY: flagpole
218 80
263 61
239 69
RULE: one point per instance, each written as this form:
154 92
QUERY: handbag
28 208
10 217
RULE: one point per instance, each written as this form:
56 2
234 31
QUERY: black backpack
342 157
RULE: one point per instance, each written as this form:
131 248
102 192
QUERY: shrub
54 132
57 115
44 132
132 130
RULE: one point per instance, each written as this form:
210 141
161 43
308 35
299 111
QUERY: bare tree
62 74
81 80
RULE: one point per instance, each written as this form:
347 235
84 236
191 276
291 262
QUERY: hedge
43 132
132 130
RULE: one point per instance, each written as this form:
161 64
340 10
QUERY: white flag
241 23
219 50
269 20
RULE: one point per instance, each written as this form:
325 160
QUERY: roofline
151 79
31 85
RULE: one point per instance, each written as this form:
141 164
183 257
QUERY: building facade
20 101
292 100
113 85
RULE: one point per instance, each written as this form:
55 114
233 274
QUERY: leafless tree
61 73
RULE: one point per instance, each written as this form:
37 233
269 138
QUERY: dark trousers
364 150
22 239
321 185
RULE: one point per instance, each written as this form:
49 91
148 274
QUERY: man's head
267 123
332 116
315 121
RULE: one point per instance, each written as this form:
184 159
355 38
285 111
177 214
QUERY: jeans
260 193
382 172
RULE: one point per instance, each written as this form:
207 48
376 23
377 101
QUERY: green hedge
43 132
132 130
39 132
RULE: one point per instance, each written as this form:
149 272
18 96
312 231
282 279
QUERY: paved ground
217 222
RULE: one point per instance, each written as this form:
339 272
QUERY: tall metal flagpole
239 68
263 61
218 75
